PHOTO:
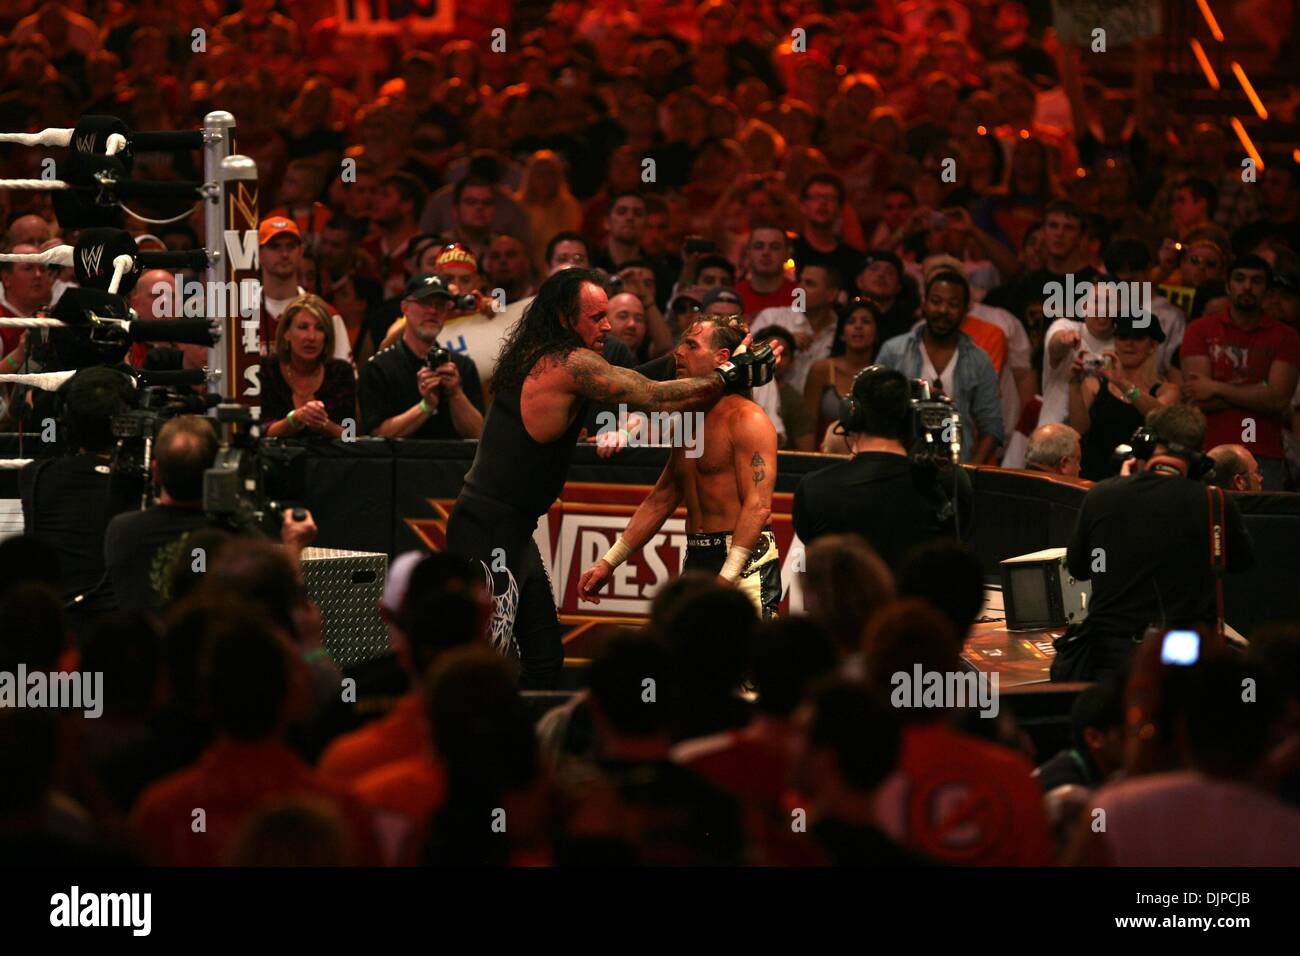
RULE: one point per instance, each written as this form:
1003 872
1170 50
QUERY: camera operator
1143 540
141 546
401 396
68 501
881 494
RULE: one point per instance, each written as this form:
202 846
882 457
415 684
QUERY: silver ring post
218 143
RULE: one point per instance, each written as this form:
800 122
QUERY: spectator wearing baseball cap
400 395
1109 403
1128 260
722 301
280 257
882 279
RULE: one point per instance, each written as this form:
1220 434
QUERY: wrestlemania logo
582 525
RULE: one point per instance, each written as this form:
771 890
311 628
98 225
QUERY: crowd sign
1125 20
390 17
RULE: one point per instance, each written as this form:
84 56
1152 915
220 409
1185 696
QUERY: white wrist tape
737 558
617 554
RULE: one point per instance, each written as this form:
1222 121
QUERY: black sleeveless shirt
512 469
1111 422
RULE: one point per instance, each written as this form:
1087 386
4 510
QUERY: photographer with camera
890 499
415 388
1111 394
1146 542
140 547
68 501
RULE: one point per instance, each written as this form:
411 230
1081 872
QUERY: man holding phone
401 396
1143 540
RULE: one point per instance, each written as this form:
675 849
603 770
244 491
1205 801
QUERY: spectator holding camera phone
305 392
401 395
1111 394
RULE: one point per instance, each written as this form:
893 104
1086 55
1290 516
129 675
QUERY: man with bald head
1235 469
29 230
1054 449
157 296
628 321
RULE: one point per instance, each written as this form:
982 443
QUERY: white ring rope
46 137
53 256
7 323
15 463
46 381
48 185
116 143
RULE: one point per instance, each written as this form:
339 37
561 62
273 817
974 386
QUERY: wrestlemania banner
582 525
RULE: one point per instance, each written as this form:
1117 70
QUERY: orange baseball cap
275 226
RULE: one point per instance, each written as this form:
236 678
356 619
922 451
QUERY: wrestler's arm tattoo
760 468
598 380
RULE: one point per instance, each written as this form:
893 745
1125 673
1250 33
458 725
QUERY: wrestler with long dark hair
549 368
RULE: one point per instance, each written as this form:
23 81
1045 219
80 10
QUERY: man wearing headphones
880 494
68 501
1144 541
725 477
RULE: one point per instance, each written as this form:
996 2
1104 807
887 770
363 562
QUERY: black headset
1142 446
851 409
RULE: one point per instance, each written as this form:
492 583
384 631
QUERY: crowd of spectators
708 159
821 166
706 737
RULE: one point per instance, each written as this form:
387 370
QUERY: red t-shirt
1238 357
755 302
9 336
964 800
230 781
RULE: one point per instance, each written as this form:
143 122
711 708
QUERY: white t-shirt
1018 357
947 379
1056 381
275 308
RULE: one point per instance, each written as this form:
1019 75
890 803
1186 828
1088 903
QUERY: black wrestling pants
525 624
760 580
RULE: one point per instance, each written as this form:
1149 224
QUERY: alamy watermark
53 690
652 429
177 298
1076 300
945 690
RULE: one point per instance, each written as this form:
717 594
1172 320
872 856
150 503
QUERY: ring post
218 143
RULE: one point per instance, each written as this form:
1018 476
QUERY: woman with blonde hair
551 207
305 392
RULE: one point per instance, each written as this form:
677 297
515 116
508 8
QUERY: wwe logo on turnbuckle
85 143
90 259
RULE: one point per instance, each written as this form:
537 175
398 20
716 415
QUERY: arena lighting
1250 91
1212 23
1295 155
1210 76
982 130
1246 143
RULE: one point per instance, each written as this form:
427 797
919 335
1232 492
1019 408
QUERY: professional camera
250 480
136 429
936 426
